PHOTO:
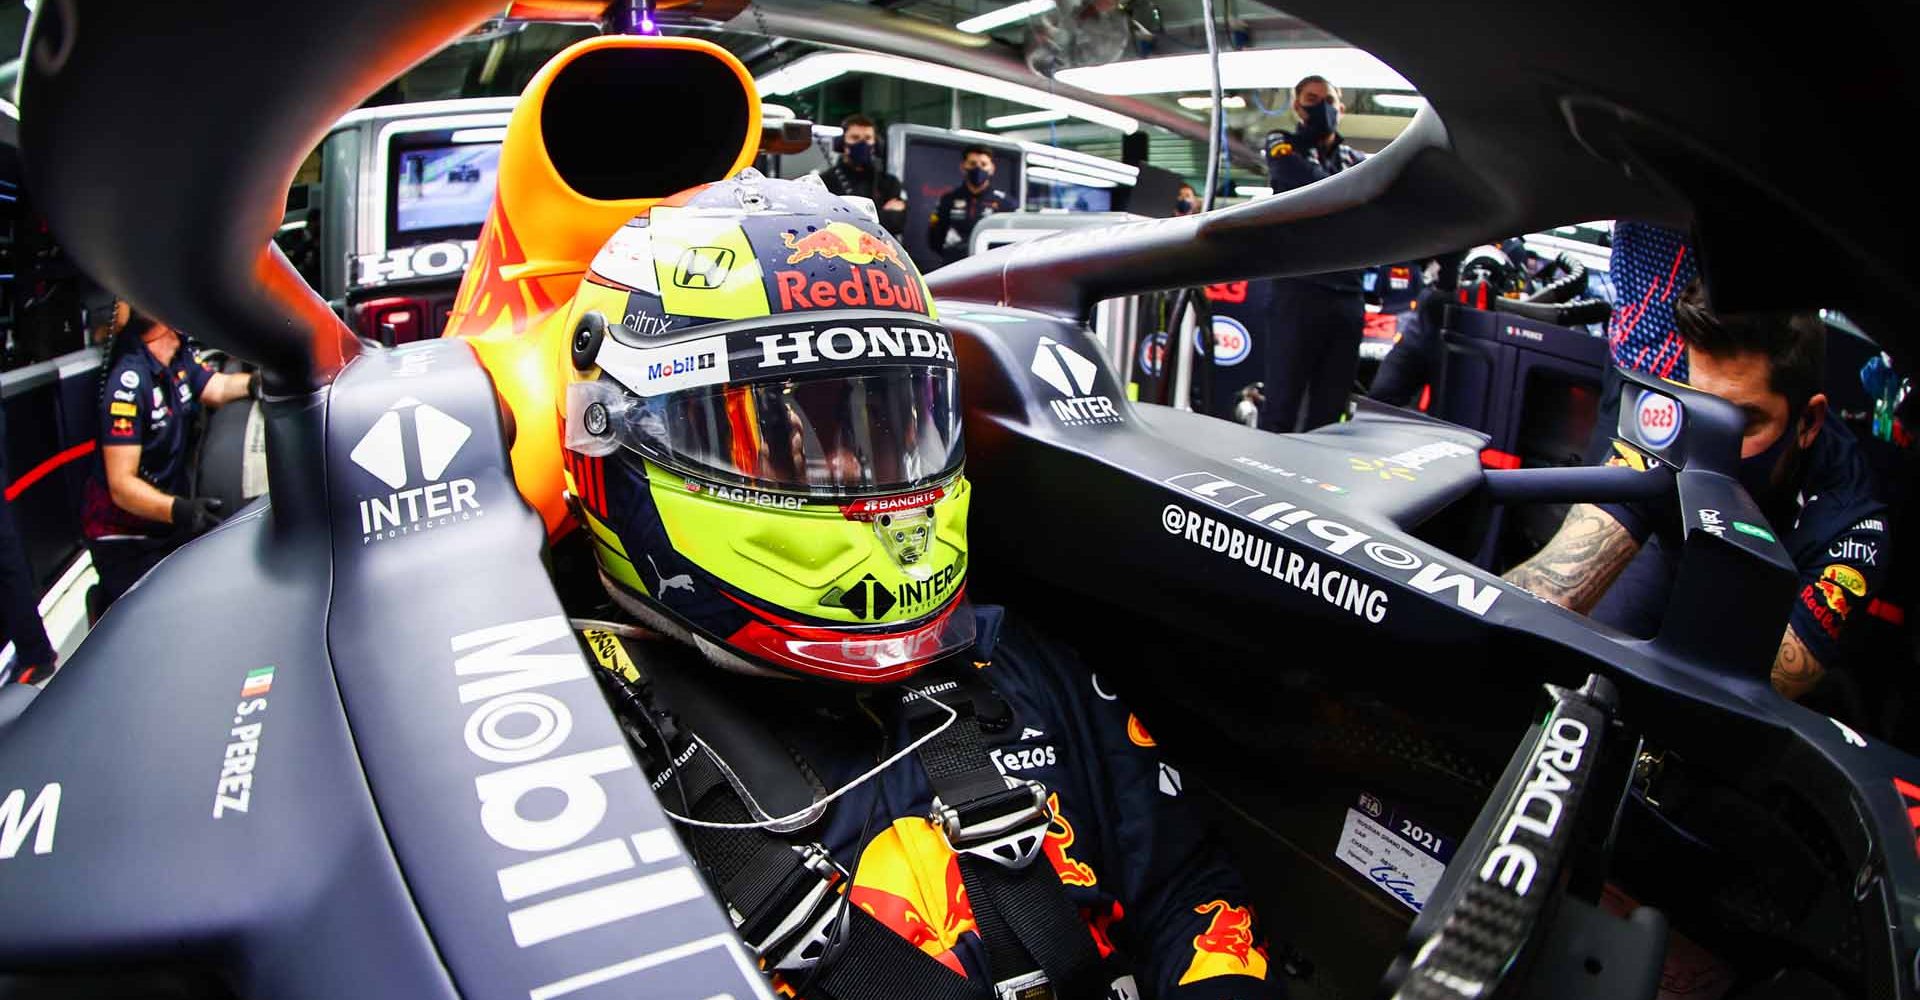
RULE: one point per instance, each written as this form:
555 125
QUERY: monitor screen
444 187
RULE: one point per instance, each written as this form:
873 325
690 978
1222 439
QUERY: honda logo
382 452
1072 376
703 267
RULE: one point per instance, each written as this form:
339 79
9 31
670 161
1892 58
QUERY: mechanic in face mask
1187 203
1806 473
1313 336
858 172
957 211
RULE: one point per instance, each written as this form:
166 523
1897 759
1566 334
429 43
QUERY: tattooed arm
1795 669
1580 563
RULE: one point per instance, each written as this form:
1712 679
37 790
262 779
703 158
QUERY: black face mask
861 153
1756 472
1322 118
1184 206
977 176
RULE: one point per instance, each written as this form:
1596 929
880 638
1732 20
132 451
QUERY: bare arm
1580 563
224 388
1795 669
131 493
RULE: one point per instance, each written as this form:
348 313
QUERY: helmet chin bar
858 657
810 651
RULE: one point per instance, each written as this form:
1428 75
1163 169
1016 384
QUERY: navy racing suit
1159 898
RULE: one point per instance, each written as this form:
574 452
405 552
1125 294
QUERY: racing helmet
762 434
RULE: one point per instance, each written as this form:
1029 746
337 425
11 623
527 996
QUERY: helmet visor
869 432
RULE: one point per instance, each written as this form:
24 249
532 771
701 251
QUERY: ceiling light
1252 190
1400 102
1233 103
1040 154
1063 177
1006 15
466 135
815 69
1257 69
1025 118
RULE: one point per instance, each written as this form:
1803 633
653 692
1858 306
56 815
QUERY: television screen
443 187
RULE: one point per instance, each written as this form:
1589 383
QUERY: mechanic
857 171
1803 470
1187 202
1313 349
1418 345
831 666
959 210
34 658
135 508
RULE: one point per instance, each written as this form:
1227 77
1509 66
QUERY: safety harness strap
998 826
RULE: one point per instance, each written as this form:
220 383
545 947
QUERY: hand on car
195 515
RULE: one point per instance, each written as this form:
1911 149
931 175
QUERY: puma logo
684 581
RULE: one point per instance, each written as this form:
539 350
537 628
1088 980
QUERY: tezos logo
432 504
1072 376
1658 417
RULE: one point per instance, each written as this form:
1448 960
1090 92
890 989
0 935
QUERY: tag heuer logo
703 267
440 438
383 453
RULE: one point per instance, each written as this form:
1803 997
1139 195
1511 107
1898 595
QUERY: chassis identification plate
1406 866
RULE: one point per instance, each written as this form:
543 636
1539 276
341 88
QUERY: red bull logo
1137 734
1226 947
1059 838
840 241
909 880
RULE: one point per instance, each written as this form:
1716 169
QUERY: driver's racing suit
1156 895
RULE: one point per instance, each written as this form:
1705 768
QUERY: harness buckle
1032 986
1006 828
799 936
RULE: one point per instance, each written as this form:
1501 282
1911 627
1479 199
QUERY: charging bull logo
840 241
909 879
1059 838
1226 947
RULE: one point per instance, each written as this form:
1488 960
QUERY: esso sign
1658 417
1231 342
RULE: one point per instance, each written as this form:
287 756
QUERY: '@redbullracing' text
1265 556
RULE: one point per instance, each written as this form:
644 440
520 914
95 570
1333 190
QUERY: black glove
195 515
253 387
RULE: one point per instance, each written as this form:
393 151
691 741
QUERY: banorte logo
840 241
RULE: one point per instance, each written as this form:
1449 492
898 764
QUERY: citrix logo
382 452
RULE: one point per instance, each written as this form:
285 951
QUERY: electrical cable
1216 115
820 806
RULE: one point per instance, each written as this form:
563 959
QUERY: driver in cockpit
1805 472
896 792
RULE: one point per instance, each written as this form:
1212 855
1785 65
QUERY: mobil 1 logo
573 860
